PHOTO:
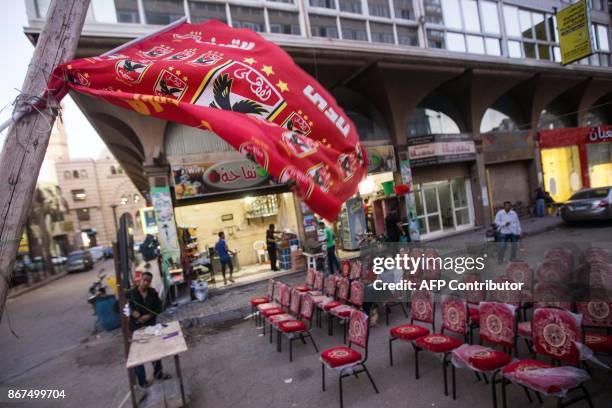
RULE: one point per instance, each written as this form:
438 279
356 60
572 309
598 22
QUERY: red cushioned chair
295 329
355 269
293 312
322 302
273 304
346 360
422 310
521 272
497 327
256 301
473 298
557 335
317 287
342 295
281 309
310 278
454 319
597 316
343 312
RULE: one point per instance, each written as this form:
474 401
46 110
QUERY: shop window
163 12
424 121
443 206
599 156
83 214
127 11
284 22
202 11
79 195
407 35
382 33
323 26
353 29
379 8
561 168
350 6
248 17
403 9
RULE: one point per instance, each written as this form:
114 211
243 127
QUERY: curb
37 285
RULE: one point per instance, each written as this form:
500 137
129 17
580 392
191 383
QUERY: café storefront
575 158
442 166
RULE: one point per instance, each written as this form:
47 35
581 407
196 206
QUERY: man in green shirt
334 264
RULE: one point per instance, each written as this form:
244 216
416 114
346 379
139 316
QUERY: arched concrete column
593 90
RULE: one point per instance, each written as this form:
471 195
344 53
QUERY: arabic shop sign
439 149
198 180
574 26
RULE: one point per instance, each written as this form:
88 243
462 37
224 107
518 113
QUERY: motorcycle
97 290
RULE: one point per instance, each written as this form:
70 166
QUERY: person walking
540 202
509 228
225 257
145 305
271 246
332 260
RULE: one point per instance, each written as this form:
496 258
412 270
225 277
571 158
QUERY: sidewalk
21 289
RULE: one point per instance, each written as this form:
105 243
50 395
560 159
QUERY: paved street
230 364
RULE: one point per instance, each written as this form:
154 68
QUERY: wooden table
148 348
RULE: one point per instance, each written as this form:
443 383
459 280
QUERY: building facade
91 188
411 74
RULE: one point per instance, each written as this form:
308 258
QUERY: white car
97 253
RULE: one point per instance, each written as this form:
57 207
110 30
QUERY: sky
83 141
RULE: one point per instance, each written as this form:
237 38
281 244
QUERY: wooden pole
26 142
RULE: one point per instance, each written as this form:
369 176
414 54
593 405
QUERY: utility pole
27 139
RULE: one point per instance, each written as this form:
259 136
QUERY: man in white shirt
509 229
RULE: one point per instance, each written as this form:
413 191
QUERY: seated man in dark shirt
145 305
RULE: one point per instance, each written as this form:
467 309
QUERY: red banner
242 87
575 136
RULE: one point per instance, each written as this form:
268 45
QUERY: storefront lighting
249 200
367 186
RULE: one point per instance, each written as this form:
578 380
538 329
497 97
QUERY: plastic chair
260 251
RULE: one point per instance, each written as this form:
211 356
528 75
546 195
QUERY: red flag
242 87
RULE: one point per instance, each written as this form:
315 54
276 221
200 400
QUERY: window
350 6
451 14
79 195
83 173
201 11
113 170
496 121
330 4
455 42
490 17
379 8
433 11
67 175
248 17
284 22
407 35
531 34
323 26
435 39
403 9
163 12
75 174
601 44
382 33
353 29
83 214
424 121
119 170
127 11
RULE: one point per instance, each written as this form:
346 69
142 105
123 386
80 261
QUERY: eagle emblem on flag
170 85
132 70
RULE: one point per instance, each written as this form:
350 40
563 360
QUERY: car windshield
76 256
594 193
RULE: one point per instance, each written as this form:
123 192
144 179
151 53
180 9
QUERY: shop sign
574 27
508 146
381 159
440 149
147 220
197 180
575 136
167 236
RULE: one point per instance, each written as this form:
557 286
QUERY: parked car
588 204
108 253
59 260
97 253
19 275
80 261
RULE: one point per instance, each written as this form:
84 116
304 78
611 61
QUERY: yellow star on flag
282 86
177 72
268 70
249 61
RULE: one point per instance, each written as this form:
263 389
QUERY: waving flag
243 88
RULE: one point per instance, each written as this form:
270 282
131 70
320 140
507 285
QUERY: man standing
393 226
145 305
271 245
332 260
540 202
509 228
225 257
